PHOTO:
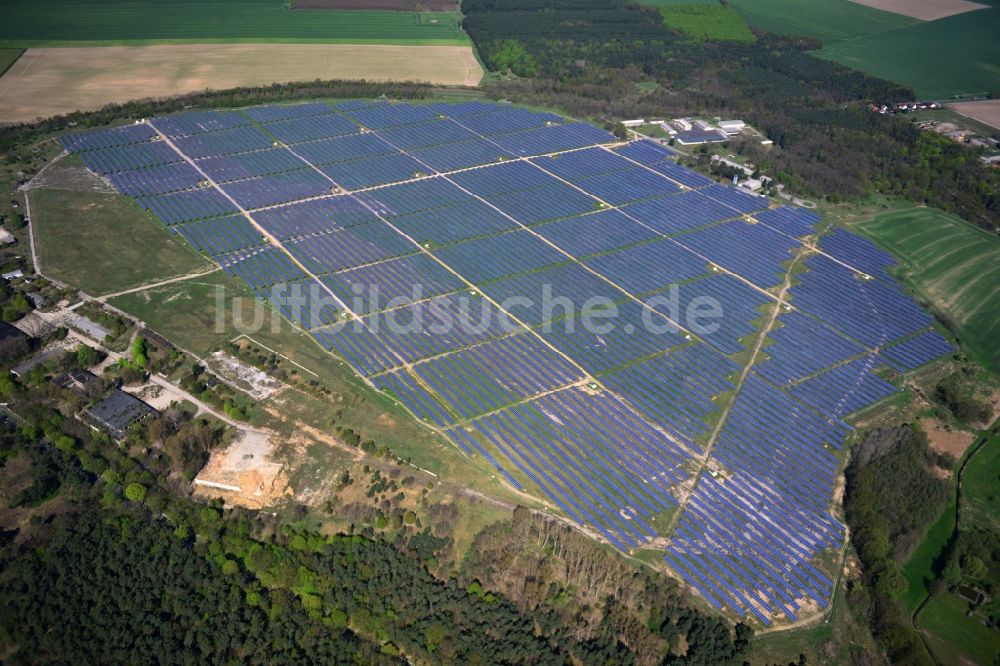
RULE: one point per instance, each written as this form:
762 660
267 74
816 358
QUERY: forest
588 58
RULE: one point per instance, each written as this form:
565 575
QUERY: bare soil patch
49 81
953 442
985 111
254 381
243 473
924 10
389 5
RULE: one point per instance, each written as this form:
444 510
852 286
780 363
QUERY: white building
732 126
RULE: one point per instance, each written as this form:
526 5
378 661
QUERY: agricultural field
986 112
50 81
954 265
382 5
94 22
940 59
707 22
376 228
924 10
961 61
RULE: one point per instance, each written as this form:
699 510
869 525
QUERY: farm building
118 411
732 126
695 137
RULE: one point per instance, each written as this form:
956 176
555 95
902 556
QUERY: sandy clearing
942 440
49 81
924 10
985 111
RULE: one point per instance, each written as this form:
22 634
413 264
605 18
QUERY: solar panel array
373 224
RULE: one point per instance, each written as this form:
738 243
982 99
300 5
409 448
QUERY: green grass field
938 59
919 568
102 243
707 22
93 22
954 265
831 21
955 638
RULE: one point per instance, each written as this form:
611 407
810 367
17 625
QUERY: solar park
735 438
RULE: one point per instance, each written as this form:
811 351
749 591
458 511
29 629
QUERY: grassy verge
103 243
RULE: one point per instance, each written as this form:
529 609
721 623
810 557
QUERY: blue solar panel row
541 204
802 346
188 205
746 548
107 138
676 390
278 188
549 294
220 235
312 217
680 212
343 149
460 155
502 179
348 248
791 220
857 252
372 171
224 142
484 259
403 386
392 283
752 251
592 455
584 163
304 302
298 130
162 179
199 122
450 224
649 267
261 268
871 311
594 233
622 187
266 114
609 336
442 324
492 375
412 197
720 309
917 351
227 168
844 389
125 158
